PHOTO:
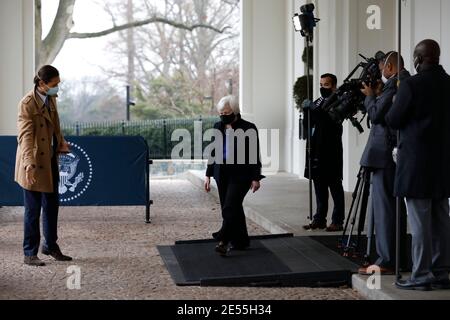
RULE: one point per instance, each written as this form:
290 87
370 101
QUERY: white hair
230 101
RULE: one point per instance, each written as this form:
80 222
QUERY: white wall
16 58
425 19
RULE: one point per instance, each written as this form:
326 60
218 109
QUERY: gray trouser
430 228
383 206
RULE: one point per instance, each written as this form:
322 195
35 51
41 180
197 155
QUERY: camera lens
307 8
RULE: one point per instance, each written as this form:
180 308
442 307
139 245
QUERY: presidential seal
75 173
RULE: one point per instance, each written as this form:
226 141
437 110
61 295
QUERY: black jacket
326 145
421 112
237 171
382 139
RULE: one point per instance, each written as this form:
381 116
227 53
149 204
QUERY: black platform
281 260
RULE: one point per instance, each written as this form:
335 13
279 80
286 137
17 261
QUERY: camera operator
421 113
377 158
326 159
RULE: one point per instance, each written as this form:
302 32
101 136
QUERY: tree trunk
59 32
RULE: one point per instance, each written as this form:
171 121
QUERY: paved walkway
117 256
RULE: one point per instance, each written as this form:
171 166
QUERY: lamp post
129 102
211 98
229 85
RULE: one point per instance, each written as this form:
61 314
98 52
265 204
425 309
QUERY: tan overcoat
37 125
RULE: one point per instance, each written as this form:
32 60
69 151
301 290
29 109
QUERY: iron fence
157 133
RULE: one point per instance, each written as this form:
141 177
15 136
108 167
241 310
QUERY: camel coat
37 126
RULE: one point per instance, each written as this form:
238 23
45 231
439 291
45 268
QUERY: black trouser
234 227
321 186
49 203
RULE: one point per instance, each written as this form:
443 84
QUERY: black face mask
326 92
228 119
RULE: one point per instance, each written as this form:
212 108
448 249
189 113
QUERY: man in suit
377 158
326 159
422 114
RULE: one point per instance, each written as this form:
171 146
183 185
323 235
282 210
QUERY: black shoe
238 247
335 228
222 249
215 235
315 225
56 254
413 285
364 271
443 284
33 261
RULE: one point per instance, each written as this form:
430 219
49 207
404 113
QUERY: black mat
200 261
281 260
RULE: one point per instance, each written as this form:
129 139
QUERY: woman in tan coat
39 142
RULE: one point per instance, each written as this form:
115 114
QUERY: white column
246 72
263 66
295 148
445 34
16 58
427 20
407 34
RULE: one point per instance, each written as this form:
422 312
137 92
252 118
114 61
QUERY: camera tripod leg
353 219
363 209
354 195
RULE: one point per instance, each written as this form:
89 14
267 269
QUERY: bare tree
182 71
47 49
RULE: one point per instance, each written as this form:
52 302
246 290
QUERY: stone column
16 58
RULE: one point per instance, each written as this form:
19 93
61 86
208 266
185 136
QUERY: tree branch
54 41
75 35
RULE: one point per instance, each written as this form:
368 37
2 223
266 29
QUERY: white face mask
383 78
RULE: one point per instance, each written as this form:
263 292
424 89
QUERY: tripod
308 86
352 247
350 244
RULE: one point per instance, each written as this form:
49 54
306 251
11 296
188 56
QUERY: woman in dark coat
235 165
